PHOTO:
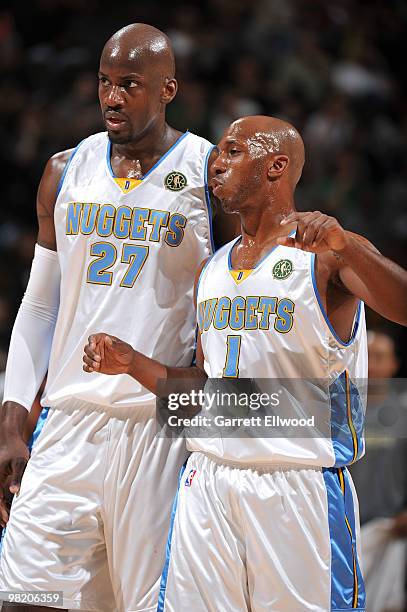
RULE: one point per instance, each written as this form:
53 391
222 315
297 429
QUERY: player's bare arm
351 264
13 449
107 354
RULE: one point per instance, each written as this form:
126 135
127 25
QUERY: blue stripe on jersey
38 428
68 163
208 197
325 315
193 360
347 588
235 241
199 278
347 420
164 576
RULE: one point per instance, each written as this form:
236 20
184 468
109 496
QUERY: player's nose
114 96
218 165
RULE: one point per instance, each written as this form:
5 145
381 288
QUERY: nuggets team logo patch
189 478
282 269
175 181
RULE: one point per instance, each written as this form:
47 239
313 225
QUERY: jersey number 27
106 255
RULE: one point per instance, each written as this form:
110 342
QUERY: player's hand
13 460
107 355
315 232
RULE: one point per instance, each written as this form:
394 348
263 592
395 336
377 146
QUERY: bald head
269 135
141 45
136 82
259 163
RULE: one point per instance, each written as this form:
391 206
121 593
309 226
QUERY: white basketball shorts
93 513
262 539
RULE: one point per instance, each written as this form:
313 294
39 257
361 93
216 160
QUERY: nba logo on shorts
189 478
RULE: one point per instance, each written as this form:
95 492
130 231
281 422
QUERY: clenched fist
107 355
315 232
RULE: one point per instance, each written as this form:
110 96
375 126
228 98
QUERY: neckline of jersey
259 263
147 174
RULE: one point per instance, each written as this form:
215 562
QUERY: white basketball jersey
269 323
128 252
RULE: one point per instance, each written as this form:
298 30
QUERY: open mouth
114 122
215 184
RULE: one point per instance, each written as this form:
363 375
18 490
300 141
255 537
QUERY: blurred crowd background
332 67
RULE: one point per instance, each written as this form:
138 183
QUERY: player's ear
277 166
169 90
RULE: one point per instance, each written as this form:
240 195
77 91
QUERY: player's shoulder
222 252
199 141
210 264
58 161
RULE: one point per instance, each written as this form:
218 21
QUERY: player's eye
130 83
103 80
233 151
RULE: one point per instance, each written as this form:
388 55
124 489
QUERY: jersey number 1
231 369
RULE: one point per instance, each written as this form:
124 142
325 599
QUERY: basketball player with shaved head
124 221
271 524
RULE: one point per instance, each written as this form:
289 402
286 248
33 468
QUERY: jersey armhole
200 278
356 320
68 163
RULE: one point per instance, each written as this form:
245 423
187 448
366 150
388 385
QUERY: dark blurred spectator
329 130
361 72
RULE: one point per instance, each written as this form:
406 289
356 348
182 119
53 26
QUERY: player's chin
228 206
119 136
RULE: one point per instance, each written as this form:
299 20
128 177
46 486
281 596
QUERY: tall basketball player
272 523
124 221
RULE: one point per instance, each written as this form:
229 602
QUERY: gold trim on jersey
240 275
127 184
350 420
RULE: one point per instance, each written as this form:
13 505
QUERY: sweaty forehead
258 140
142 56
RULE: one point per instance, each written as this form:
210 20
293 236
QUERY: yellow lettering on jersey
128 184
